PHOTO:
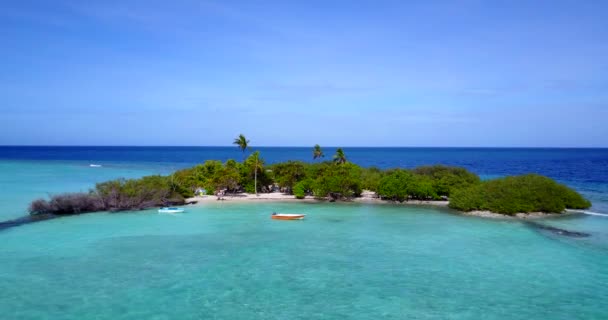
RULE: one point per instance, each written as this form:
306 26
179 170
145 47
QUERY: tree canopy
525 193
340 157
317 153
332 180
241 142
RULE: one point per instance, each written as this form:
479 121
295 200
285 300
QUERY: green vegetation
340 157
231 176
402 185
256 165
287 174
114 195
445 179
242 143
511 195
338 181
333 180
424 183
394 186
302 188
206 176
317 153
370 178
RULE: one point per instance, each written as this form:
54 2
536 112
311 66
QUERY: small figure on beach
220 195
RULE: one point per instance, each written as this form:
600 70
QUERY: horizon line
261 146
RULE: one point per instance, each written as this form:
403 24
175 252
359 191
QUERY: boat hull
289 216
170 210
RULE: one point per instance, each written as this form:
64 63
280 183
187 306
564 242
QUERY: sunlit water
344 261
23 181
231 261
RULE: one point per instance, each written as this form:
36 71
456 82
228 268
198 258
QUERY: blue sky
296 73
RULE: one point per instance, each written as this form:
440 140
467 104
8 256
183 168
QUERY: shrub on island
288 174
302 188
370 178
394 186
524 193
114 195
199 176
69 203
424 183
338 181
334 180
446 180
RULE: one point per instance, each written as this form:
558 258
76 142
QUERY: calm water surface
230 261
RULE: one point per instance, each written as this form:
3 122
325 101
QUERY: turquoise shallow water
230 261
23 181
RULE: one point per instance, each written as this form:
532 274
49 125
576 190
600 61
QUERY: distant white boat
92 165
170 210
287 216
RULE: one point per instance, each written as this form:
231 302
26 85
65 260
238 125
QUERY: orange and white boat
287 216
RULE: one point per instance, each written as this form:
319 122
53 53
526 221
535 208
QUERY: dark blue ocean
585 165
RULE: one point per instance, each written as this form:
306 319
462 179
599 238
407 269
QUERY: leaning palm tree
340 157
257 164
317 152
242 143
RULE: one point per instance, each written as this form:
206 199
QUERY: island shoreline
367 198
277 197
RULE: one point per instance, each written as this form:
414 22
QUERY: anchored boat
287 216
170 210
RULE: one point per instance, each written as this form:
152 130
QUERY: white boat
92 165
287 216
170 210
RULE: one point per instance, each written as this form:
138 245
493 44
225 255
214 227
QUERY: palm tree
340 157
258 165
317 152
242 143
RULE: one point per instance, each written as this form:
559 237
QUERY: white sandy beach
366 197
248 197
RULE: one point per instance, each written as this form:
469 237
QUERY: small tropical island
334 180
